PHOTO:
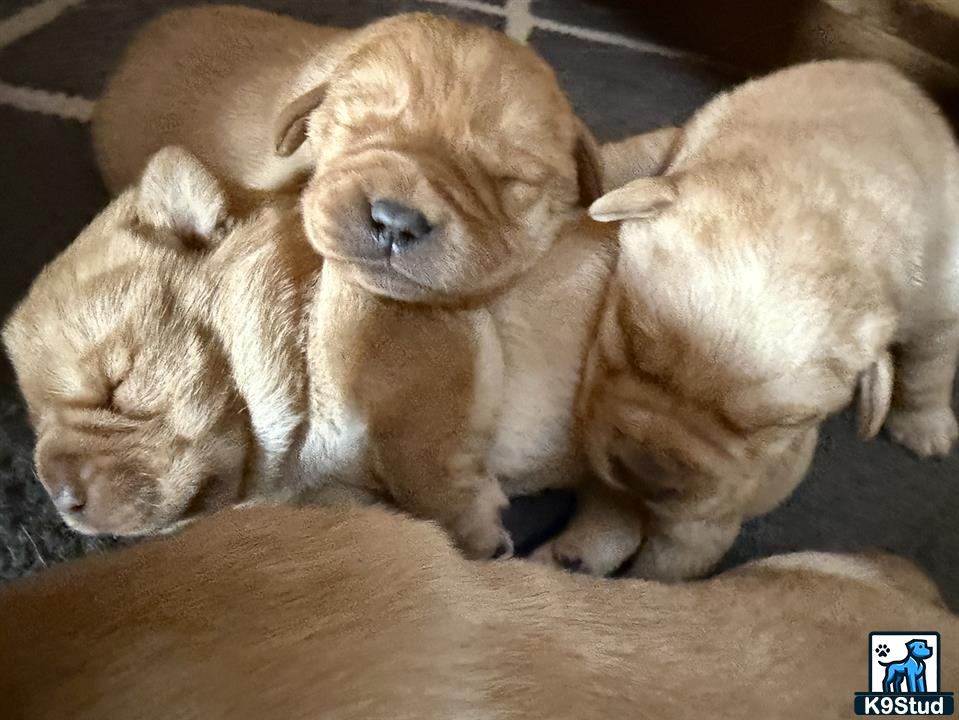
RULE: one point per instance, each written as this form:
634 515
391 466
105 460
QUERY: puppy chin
390 284
121 526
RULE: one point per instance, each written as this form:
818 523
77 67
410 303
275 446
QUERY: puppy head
447 159
733 328
137 419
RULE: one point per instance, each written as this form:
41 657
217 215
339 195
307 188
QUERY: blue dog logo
911 670
904 676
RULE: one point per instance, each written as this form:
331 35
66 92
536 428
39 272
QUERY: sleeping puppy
463 282
236 69
805 229
360 614
161 357
447 161
462 278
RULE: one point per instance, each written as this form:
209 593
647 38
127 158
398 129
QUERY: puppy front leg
922 418
430 383
475 520
605 532
449 487
680 550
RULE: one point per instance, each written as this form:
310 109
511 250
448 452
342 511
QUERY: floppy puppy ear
291 124
589 165
875 396
641 198
177 192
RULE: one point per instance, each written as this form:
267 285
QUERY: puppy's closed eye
518 195
116 364
110 401
524 172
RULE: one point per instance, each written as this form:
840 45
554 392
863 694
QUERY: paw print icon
882 650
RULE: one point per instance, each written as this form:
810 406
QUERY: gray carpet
54 58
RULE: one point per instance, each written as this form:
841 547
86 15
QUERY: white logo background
897 651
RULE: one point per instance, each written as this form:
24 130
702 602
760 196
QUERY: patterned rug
54 58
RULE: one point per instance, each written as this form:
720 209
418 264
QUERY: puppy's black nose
395 226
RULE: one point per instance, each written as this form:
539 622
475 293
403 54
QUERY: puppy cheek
448 262
128 503
120 499
334 213
458 259
207 403
788 463
231 457
210 476
214 484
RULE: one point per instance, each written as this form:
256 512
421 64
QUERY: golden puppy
806 225
447 161
236 70
285 613
161 355
462 279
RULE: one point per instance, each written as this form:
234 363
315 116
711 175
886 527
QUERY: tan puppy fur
235 70
161 355
807 226
638 156
454 357
607 528
465 126
429 403
284 613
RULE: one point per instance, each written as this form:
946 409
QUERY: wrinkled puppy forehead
421 75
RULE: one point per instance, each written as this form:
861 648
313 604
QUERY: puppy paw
928 433
485 542
549 554
599 555
659 561
479 529
685 550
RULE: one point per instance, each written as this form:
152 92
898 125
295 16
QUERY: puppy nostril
397 224
70 500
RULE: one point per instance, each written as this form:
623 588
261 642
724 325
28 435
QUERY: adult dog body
285 613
